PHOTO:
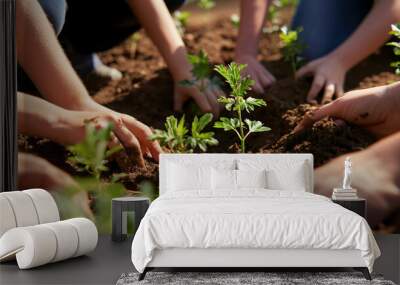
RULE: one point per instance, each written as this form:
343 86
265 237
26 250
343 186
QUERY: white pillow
182 177
281 175
251 178
224 179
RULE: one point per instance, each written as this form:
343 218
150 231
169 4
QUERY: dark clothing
328 23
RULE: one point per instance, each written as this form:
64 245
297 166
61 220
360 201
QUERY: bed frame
247 259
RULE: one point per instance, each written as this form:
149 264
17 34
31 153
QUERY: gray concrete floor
110 260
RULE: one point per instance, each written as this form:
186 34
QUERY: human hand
375 109
380 189
261 76
127 131
205 94
329 74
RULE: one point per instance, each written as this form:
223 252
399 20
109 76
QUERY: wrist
247 51
344 60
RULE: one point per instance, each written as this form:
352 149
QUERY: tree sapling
134 41
235 21
176 135
396 47
292 47
237 103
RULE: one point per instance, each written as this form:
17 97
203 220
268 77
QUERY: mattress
251 219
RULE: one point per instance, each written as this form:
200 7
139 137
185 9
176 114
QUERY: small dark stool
120 208
358 206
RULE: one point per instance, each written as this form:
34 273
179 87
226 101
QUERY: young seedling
237 103
206 4
91 156
134 41
396 47
201 71
181 19
235 21
292 47
176 135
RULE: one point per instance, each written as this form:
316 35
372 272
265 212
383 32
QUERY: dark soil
145 92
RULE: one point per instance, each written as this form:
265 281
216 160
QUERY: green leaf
256 126
200 65
206 4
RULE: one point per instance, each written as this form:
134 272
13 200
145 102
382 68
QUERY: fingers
264 77
328 93
178 101
316 87
143 132
306 70
130 142
310 118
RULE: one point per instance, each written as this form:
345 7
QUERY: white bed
207 225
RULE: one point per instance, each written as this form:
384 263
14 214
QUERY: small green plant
206 4
176 135
235 21
292 47
181 19
396 47
237 103
201 71
91 156
133 44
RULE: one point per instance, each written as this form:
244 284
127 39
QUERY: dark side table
358 205
120 208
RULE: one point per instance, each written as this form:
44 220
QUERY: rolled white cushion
87 235
40 244
7 218
46 207
33 246
66 238
23 208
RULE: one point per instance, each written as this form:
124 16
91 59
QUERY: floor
110 260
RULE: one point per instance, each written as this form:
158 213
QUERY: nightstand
358 205
121 207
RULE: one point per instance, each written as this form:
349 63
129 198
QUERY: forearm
157 21
42 58
37 117
370 35
252 17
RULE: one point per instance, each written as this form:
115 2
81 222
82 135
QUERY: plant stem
242 145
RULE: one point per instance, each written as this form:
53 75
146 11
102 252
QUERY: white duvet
250 219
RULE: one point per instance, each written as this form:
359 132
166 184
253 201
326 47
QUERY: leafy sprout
176 135
181 19
237 103
396 47
201 71
235 20
292 47
91 155
206 4
134 40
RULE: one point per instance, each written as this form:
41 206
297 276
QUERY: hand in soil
329 74
262 77
376 176
376 109
206 100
